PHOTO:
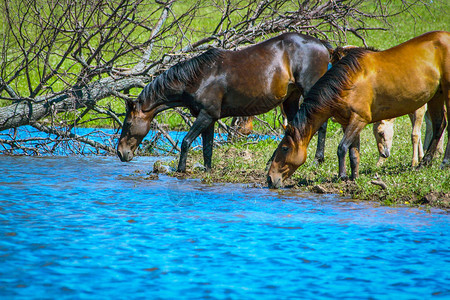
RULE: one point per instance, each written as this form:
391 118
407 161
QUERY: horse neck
162 103
308 123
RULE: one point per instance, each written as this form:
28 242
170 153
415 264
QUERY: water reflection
93 227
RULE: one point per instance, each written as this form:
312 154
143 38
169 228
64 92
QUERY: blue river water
92 227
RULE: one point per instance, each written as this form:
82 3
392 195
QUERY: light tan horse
384 130
365 87
384 134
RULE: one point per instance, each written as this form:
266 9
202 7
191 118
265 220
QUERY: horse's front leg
354 158
341 152
208 142
416 140
350 139
321 136
202 123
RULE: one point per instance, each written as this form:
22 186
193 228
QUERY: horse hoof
199 167
426 161
423 164
318 160
343 177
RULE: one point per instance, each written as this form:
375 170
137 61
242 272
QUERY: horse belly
404 95
237 104
257 97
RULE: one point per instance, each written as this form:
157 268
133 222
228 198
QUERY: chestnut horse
384 130
219 83
365 87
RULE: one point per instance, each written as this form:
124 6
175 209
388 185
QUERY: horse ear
292 131
337 54
289 129
130 104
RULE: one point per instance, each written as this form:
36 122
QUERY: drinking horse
220 83
365 87
384 130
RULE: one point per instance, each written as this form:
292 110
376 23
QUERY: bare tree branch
59 57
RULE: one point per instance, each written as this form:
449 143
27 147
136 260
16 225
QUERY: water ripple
92 227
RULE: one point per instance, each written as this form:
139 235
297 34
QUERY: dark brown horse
219 83
366 87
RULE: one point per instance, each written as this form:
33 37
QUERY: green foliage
245 162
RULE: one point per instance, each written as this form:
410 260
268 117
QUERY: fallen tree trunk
27 111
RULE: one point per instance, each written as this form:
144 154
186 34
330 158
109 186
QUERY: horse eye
284 148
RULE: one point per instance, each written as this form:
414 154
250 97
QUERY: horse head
384 133
135 127
290 154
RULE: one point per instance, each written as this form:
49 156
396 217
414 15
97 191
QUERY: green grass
245 162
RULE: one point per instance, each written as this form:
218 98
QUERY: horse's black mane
177 76
327 90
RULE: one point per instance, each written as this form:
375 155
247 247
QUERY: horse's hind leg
429 135
202 123
290 106
437 116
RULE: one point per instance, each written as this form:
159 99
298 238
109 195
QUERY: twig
73 136
166 135
380 183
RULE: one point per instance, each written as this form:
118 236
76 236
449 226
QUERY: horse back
258 78
429 49
403 78
442 42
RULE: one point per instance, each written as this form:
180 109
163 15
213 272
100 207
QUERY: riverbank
393 183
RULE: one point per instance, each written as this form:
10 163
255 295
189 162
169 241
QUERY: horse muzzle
275 182
125 155
385 153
